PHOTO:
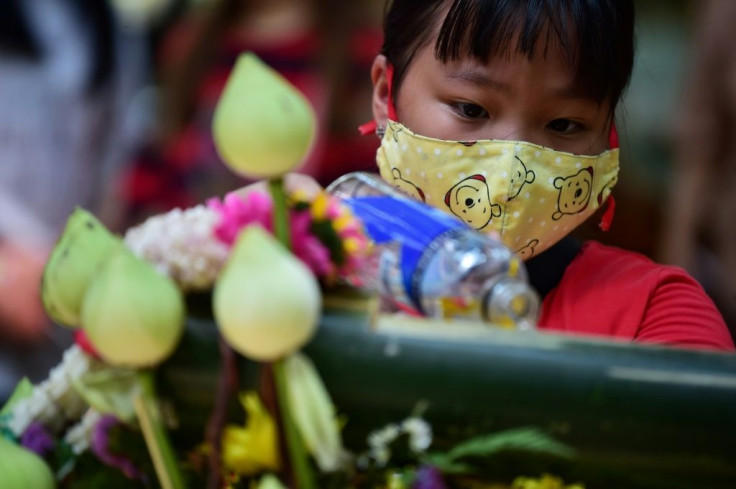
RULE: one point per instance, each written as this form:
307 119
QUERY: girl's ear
380 90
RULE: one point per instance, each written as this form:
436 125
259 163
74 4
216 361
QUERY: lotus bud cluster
84 246
133 316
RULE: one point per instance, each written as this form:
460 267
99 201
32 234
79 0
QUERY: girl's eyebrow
478 78
481 79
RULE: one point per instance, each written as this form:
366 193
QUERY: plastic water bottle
433 263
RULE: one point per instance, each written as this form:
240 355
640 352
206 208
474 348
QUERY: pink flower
236 212
307 247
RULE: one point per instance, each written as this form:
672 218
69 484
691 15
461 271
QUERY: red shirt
617 293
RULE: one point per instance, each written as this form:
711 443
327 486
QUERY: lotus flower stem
280 211
297 452
154 433
269 396
227 384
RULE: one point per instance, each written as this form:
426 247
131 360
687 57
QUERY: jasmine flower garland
78 437
180 245
53 401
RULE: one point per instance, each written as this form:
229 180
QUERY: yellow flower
344 221
253 448
320 206
352 245
394 480
298 197
545 482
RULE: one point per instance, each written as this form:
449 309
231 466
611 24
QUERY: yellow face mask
531 196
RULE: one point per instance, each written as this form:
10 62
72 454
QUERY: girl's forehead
509 72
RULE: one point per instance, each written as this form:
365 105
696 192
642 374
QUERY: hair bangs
583 30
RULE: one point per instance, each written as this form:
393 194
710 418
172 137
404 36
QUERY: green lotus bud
23 469
133 315
263 126
82 249
266 302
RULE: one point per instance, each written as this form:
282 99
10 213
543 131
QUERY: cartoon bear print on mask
574 193
527 251
519 176
470 200
406 186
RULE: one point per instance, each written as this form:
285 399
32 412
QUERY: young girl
501 113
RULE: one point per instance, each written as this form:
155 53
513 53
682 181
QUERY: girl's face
510 98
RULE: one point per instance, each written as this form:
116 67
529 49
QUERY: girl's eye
471 111
565 126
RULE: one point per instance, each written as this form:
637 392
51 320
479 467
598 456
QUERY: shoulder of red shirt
623 294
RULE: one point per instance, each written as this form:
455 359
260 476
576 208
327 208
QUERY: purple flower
428 477
100 447
37 439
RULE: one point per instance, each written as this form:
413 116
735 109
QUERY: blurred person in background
324 47
63 79
699 231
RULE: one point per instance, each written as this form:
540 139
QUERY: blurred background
107 105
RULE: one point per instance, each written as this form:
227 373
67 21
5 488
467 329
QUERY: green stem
280 211
297 452
154 432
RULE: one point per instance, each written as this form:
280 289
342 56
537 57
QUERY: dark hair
597 35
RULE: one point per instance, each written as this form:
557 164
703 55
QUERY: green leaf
110 391
294 443
21 391
446 465
311 409
528 439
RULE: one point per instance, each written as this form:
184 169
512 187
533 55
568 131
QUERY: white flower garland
54 401
181 245
79 436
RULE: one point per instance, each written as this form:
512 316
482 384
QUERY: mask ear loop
607 218
370 127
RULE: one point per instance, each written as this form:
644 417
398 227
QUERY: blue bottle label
416 228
